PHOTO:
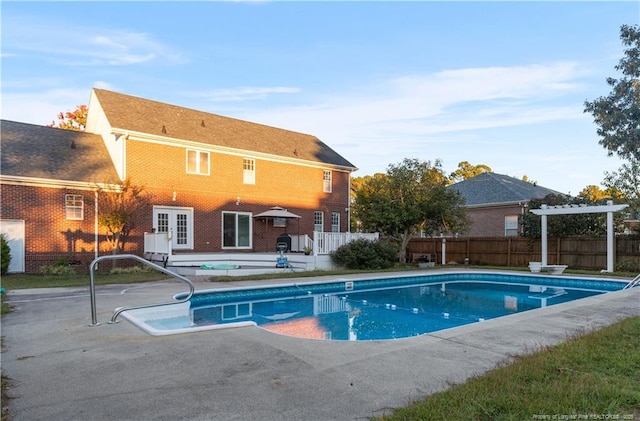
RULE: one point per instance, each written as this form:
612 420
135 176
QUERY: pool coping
63 369
139 317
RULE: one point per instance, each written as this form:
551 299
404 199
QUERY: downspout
95 224
348 208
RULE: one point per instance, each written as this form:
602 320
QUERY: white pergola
609 209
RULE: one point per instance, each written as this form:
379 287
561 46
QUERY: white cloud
444 115
448 101
42 107
90 46
244 93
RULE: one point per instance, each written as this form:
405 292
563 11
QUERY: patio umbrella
277 212
274 213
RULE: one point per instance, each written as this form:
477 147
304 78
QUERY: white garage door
13 231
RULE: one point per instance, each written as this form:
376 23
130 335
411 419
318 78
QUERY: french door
177 222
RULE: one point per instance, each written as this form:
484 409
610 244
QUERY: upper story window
74 207
326 181
511 226
197 162
249 171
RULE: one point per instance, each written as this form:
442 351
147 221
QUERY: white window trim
236 247
508 225
198 170
335 227
327 181
74 207
321 225
172 210
249 175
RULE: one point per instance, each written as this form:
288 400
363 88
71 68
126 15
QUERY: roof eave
53 183
130 134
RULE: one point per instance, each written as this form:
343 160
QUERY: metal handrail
117 311
633 283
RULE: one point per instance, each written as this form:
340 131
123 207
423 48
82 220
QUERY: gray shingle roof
53 154
490 188
157 118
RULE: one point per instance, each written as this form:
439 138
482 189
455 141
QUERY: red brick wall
49 236
161 169
489 222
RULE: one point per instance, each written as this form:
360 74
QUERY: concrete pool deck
63 369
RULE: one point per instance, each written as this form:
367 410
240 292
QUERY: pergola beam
609 209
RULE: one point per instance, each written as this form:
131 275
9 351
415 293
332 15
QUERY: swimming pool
369 309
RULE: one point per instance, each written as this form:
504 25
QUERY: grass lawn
591 377
22 281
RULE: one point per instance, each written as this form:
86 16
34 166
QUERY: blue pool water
371 309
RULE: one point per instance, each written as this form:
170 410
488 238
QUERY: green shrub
58 268
131 269
627 265
366 254
5 256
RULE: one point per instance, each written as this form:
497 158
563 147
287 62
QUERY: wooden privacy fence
576 252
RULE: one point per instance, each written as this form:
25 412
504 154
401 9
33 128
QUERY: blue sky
495 83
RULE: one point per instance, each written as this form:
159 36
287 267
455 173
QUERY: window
326 181
511 226
74 207
177 222
335 221
280 222
249 171
197 162
163 222
236 230
318 221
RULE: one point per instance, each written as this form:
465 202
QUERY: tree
589 224
72 120
466 170
526 179
618 114
410 197
118 209
594 194
624 185
5 257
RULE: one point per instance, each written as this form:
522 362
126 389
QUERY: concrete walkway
62 369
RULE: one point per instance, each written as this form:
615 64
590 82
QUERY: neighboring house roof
125 112
49 154
491 189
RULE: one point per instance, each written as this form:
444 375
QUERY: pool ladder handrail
117 311
633 283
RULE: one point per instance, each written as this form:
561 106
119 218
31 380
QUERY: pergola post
545 246
609 208
610 243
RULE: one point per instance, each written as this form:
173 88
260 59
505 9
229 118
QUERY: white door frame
13 230
177 230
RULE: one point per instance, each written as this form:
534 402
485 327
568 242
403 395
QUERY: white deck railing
157 242
322 243
328 242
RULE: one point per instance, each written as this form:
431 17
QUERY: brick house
208 176
495 203
48 179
